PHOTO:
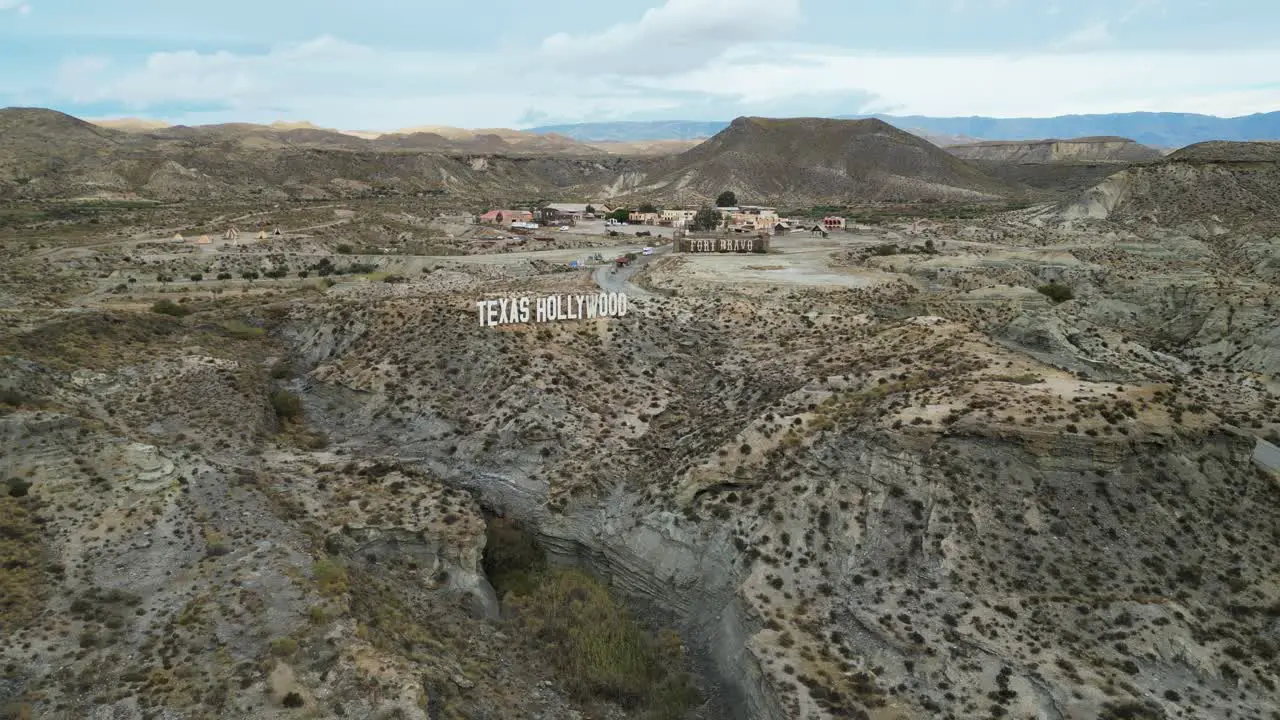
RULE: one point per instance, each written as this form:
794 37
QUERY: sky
382 65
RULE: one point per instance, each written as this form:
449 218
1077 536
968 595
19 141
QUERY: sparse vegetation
1057 292
598 649
169 307
1064 487
287 405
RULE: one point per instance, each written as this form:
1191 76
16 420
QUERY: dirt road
618 280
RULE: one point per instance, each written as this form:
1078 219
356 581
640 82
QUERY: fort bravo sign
553 308
755 244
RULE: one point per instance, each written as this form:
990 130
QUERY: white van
648 251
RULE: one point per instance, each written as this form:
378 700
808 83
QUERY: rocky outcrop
1230 184
1078 150
896 529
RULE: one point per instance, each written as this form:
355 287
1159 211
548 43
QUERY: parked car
648 251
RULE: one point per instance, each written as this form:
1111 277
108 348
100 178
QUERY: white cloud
1091 35
341 84
1099 33
1004 86
676 36
23 8
336 83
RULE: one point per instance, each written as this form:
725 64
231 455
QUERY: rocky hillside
951 468
819 160
1223 183
1054 168
430 138
903 518
1079 150
46 154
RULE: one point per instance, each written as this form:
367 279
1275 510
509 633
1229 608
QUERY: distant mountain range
1164 130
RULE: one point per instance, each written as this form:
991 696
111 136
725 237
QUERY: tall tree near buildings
648 208
705 219
727 199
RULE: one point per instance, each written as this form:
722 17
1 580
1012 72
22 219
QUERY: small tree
249 275
169 307
591 210
196 277
727 199
498 218
287 405
619 215
705 219
1056 292
648 207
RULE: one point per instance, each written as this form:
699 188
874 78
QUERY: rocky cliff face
161 557
1078 150
894 520
1226 184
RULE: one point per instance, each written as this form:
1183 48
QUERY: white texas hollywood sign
553 308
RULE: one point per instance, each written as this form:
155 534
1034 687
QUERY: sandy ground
794 261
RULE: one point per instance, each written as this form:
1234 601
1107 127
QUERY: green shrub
886 249
599 650
331 576
196 277
284 646
286 404
169 307
1055 291
13 398
242 330
344 249
17 487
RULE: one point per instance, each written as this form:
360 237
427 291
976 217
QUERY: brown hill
130 124
646 147
48 154
942 140
40 149
1086 149
306 134
1228 152
1227 183
820 160
433 138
